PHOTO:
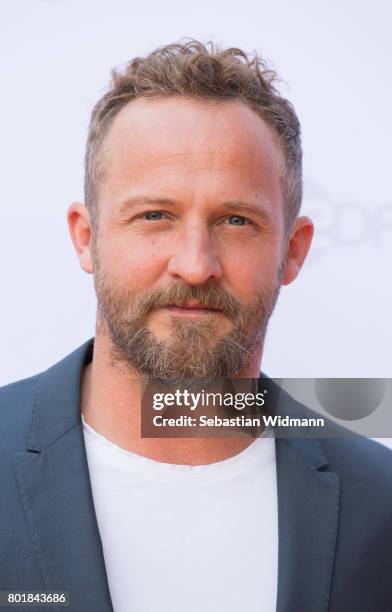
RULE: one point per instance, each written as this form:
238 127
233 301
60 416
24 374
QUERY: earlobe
298 247
79 225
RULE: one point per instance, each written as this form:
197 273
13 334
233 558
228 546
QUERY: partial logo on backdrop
341 224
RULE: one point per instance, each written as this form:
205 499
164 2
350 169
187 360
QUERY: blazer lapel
308 508
55 490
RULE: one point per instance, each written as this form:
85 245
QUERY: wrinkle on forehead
174 137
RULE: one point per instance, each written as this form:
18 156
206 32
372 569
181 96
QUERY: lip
191 309
194 305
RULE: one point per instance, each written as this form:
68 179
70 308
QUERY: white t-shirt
180 538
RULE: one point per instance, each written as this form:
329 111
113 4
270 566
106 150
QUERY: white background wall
335 59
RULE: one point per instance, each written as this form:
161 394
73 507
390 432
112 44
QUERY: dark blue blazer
334 501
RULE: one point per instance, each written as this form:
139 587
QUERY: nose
195 261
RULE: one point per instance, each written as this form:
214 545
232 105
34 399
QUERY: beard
192 351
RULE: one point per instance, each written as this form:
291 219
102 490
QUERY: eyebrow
147 200
248 207
236 205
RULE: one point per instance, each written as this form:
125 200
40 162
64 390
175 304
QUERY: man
191 226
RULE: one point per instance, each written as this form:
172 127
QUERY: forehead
181 142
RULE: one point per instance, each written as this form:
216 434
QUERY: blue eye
153 215
236 220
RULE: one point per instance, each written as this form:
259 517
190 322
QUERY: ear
79 224
298 246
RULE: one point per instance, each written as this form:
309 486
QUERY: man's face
188 253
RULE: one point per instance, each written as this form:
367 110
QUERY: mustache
177 295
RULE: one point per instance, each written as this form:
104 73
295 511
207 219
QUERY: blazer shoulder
16 409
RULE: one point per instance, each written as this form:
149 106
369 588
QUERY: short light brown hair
205 72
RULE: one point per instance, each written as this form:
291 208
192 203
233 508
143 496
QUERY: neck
111 400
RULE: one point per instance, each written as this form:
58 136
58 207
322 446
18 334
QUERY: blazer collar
57 401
